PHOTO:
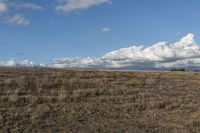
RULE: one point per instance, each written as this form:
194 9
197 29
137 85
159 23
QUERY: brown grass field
71 101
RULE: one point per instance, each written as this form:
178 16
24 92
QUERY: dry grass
51 100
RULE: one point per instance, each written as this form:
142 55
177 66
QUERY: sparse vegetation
53 100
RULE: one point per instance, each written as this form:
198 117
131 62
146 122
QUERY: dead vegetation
51 100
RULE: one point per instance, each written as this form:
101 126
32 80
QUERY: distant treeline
179 69
184 70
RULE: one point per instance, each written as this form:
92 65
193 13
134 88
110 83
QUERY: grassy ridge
53 100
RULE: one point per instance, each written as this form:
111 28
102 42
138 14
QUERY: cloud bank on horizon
25 63
184 53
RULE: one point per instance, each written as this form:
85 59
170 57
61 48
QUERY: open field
52 100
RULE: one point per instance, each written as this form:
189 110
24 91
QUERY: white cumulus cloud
18 19
3 7
74 5
184 53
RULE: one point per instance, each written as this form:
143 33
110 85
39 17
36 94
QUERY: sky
100 33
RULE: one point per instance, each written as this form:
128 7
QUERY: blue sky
46 32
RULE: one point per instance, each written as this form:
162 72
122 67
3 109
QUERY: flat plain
59 100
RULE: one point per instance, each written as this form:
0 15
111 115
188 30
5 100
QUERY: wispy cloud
13 7
3 7
74 5
30 6
22 53
18 19
3 44
106 29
